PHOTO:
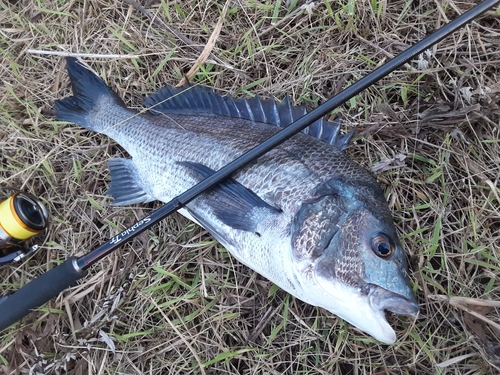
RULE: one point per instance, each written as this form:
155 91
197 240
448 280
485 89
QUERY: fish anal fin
125 183
231 202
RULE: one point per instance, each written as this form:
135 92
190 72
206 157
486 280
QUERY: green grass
174 299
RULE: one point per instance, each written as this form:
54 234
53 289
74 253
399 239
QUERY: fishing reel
22 216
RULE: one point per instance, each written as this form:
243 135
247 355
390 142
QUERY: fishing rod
47 286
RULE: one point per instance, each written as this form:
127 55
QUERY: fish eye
382 245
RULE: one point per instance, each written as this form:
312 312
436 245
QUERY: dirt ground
173 301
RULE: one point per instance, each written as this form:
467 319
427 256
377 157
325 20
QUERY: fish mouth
383 299
380 301
366 307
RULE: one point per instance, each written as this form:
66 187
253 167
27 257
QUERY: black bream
303 215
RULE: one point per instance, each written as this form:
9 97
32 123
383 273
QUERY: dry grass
173 301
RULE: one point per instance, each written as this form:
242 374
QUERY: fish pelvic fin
191 100
231 202
88 91
126 185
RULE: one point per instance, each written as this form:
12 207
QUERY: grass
174 301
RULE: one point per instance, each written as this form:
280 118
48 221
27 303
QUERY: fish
304 215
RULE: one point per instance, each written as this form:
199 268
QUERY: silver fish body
304 215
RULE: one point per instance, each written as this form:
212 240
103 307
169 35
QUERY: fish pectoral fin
231 202
125 183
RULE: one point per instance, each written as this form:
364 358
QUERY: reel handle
39 291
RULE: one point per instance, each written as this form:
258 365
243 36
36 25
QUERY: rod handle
39 291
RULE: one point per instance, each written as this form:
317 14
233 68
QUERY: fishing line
417 120
50 284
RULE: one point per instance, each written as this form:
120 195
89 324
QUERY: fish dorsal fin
192 100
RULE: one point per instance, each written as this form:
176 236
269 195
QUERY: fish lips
383 299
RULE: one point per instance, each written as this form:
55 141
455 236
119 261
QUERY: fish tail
89 93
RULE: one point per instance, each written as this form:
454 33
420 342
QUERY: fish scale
189 145
303 215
